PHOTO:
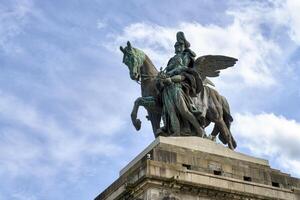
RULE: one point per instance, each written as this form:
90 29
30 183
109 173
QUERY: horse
143 71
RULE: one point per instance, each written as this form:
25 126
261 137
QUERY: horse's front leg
136 122
147 102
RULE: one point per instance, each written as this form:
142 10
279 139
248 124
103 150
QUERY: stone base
192 168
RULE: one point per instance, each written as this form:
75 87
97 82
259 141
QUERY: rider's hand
168 81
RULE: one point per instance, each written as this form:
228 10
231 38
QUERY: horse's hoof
175 134
137 124
230 146
213 138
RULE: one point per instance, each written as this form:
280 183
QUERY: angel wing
210 65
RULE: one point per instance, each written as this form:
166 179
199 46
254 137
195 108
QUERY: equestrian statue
181 96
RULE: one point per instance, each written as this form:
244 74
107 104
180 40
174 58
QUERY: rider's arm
177 78
174 79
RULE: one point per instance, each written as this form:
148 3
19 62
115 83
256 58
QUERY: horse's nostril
134 76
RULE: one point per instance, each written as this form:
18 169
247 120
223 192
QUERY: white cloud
289 15
23 196
260 56
101 24
12 21
38 144
243 42
270 136
17 152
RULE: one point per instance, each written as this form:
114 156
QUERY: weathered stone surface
192 168
196 144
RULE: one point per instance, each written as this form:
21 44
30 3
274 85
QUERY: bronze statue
179 84
180 94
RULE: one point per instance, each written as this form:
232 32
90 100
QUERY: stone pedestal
192 168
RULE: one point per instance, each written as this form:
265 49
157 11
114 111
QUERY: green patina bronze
179 95
177 91
133 58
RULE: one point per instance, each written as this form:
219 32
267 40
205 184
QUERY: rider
177 90
201 101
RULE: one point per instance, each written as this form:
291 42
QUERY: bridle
144 77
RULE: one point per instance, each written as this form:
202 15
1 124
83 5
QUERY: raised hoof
137 124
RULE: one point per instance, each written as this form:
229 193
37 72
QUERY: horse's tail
228 119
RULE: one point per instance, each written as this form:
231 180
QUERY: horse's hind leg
214 132
221 124
227 135
220 127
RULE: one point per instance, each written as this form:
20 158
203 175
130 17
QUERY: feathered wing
210 65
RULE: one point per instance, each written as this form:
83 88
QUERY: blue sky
66 96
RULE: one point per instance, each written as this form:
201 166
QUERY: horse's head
134 59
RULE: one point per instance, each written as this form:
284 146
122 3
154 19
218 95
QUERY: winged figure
175 96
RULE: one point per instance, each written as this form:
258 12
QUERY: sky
66 96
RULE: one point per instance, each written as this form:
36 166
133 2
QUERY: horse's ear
129 45
122 49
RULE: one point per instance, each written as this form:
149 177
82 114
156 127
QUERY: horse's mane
147 62
147 59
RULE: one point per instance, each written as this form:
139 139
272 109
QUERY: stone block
236 186
192 168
